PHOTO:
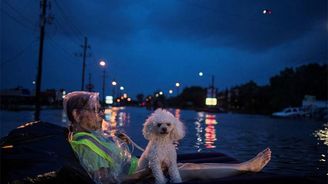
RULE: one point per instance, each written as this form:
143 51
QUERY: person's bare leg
219 170
257 163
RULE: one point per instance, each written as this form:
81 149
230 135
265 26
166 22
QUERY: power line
67 30
27 26
53 42
65 17
19 54
58 24
18 12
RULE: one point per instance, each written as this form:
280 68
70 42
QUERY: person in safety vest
107 159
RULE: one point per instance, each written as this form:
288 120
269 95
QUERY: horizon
155 91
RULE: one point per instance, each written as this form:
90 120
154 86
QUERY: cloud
239 24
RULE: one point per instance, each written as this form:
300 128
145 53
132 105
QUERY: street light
114 83
177 84
200 74
102 64
121 88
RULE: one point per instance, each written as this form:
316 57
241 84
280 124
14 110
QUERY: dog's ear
148 128
178 131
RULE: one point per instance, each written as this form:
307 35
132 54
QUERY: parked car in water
290 112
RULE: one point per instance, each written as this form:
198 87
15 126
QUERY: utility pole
85 47
90 86
103 86
213 91
212 84
39 72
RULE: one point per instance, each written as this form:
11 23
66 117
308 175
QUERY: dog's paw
176 144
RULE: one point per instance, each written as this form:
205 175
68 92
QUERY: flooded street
299 146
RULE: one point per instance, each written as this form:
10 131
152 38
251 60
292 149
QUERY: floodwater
299 146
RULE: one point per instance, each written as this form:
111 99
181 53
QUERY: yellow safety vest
103 149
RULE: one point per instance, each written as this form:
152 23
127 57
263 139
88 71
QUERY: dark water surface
299 146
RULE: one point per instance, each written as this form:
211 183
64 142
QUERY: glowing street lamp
170 91
177 85
200 74
121 88
161 93
102 64
266 11
114 83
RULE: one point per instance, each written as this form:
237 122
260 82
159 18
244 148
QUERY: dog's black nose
164 129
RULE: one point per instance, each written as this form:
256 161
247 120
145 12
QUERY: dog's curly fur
162 129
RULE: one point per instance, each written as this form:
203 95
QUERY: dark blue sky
151 45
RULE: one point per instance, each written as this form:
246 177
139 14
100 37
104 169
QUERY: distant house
52 97
315 108
10 98
311 103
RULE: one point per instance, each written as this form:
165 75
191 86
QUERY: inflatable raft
38 152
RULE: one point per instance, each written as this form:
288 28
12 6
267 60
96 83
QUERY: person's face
91 118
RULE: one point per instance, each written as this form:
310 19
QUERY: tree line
285 89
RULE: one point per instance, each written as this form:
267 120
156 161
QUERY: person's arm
98 168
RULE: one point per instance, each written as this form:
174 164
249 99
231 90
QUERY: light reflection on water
322 137
199 131
177 113
210 131
208 138
115 119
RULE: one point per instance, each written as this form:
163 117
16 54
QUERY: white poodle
162 130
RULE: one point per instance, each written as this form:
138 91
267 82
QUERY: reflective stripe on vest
103 150
94 144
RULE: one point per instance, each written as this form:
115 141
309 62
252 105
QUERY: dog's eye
168 124
158 124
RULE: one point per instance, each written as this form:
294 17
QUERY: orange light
27 124
7 146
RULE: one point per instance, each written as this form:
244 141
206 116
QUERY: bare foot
257 163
